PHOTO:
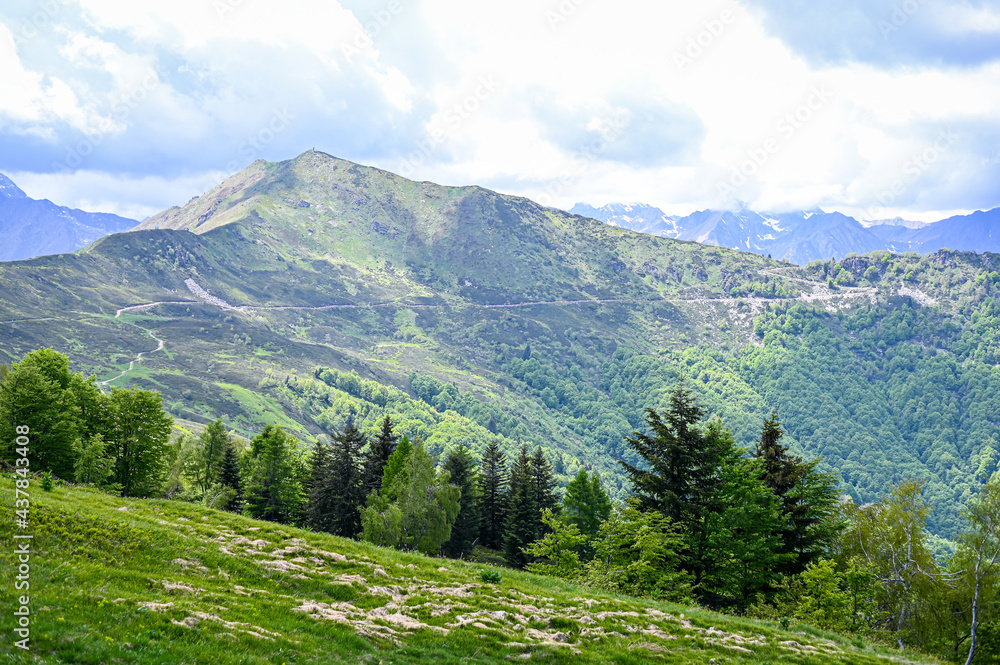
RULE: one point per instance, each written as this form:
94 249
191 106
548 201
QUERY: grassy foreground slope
149 581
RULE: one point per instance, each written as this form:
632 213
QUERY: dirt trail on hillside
819 292
137 359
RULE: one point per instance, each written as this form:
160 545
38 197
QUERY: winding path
138 358
819 292
153 304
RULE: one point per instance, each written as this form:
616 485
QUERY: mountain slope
29 227
116 580
978 232
314 290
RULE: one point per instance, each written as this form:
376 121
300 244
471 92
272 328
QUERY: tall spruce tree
683 460
523 515
682 481
806 498
348 497
492 496
377 456
273 485
586 504
465 531
229 475
543 485
321 492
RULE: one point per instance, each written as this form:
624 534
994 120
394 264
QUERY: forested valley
755 532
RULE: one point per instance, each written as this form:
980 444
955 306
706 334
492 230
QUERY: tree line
757 532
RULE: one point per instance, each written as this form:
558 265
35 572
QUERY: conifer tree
377 456
805 494
274 490
543 484
465 531
523 515
683 481
586 504
346 489
320 501
492 496
229 475
683 461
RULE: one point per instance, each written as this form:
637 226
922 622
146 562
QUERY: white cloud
30 99
132 197
400 83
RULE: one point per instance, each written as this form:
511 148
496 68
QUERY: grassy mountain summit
315 290
155 581
460 241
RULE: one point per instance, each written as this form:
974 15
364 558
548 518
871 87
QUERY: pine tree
273 488
543 484
523 515
805 495
229 475
348 495
682 461
781 471
465 531
586 504
377 456
683 481
492 496
319 506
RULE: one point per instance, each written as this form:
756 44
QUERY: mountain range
29 227
315 290
801 237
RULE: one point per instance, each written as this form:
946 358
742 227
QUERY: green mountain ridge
308 291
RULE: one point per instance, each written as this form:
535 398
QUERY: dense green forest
750 531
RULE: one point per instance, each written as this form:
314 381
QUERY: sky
875 108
